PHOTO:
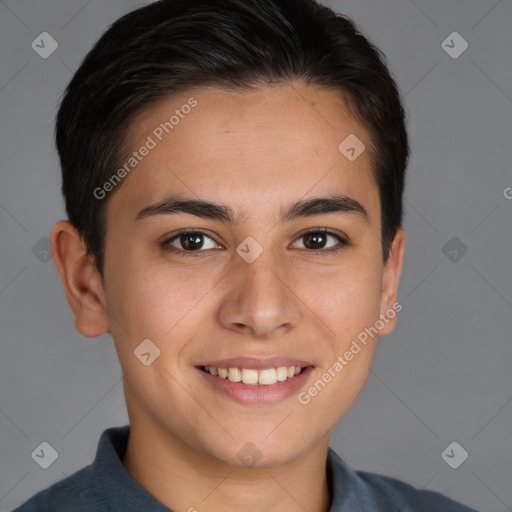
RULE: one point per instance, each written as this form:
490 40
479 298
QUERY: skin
257 152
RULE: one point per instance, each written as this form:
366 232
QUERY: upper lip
256 363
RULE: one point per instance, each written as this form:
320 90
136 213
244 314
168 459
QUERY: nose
260 300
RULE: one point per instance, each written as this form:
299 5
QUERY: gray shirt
105 486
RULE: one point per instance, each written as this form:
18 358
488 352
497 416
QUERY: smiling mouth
265 377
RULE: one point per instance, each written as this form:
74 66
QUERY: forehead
247 147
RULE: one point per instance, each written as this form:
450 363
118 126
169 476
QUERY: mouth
254 376
255 380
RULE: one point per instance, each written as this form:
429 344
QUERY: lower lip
258 394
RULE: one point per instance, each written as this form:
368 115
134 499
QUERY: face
257 282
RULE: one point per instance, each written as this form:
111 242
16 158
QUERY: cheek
347 298
157 300
348 303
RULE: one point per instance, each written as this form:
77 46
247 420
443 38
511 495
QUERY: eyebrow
174 204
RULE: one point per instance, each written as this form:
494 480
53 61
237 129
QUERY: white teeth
251 376
282 373
234 374
268 376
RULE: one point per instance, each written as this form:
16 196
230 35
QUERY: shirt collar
116 489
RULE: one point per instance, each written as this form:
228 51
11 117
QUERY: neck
182 478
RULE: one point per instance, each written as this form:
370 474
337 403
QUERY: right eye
190 240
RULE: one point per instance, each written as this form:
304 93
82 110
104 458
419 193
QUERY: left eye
192 242
319 237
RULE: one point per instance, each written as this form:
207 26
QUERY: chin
257 455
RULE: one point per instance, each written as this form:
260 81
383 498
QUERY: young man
233 175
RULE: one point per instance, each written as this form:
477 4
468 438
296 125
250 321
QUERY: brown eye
316 240
188 241
191 242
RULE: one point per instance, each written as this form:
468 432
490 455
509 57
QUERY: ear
81 279
390 280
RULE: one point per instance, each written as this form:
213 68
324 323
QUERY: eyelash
342 242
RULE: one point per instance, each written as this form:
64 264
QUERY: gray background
444 374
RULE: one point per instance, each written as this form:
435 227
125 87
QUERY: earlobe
390 281
81 280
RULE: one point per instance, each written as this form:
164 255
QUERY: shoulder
71 494
94 487
380 493
391 491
